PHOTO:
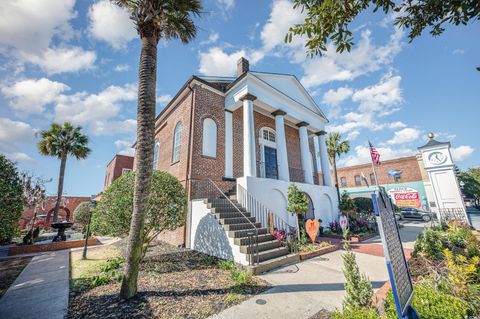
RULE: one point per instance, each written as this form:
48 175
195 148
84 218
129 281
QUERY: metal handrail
248 220
258 209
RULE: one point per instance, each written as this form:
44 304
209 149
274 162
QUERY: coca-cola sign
405 196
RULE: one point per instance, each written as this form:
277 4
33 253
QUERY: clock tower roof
432 142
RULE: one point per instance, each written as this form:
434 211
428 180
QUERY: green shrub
358 313
242 277
227 264
165 207
80 214
430 303
11 199
429 244
363 205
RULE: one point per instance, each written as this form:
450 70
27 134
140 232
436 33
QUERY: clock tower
447 197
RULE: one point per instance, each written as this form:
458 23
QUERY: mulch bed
173 283
9 270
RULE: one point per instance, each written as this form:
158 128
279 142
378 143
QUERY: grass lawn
173 283
9 270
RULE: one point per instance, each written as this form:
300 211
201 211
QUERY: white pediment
290 86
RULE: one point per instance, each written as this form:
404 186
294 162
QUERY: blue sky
67 60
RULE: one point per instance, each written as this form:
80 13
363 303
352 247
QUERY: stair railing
253 257
262 213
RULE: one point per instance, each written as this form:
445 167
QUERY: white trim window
209 147
177 142
156 153
126 170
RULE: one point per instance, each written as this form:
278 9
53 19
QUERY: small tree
359 291
165 207
346 205
363 205
297 203
80 214
34 195
11 199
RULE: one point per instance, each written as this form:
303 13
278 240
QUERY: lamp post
92 205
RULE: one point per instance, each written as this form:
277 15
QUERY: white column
305 155
327 180
228 144
249 155
282 156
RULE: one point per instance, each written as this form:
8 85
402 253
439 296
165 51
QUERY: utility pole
92 205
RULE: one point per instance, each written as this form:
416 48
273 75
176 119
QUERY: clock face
437 158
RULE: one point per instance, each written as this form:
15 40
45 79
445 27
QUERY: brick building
256 133
116 167
409 187
67 207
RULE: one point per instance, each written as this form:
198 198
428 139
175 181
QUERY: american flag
375 155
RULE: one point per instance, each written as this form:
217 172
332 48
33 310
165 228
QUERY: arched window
177 142
209 147
267 134
155 154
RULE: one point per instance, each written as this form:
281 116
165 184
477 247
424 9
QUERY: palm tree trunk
147 79
61 177
336 177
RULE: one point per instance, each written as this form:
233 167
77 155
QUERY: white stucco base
209 237
273 194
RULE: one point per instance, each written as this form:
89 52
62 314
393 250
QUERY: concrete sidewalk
41 290
303 289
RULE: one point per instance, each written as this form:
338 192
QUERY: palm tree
154 20
62 141
336 147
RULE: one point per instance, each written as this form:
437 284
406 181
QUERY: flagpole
373 165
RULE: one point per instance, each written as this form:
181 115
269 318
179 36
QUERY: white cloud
364 58
458 52
282 17
163 99
353 135
97 111
28 28
396 125
30 96
404 136
113 127
382 97
125 147
61 60
110 23
13 133
362 155
122 68
216 62
30 25
212 38
226 4
334 97
460 153
19 157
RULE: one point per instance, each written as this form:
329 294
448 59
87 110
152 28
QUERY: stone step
244 226
237 220
273 263
267 245
234 214
230 209
242 241
222 205
245 232
269 254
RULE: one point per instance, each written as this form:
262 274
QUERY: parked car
415 213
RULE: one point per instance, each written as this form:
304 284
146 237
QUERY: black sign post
397 267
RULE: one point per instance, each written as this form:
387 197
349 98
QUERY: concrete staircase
271 253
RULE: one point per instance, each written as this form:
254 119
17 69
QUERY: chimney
242 66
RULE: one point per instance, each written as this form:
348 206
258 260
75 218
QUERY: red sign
410 199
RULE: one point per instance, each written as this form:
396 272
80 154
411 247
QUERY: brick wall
408 165
71 203
115 168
